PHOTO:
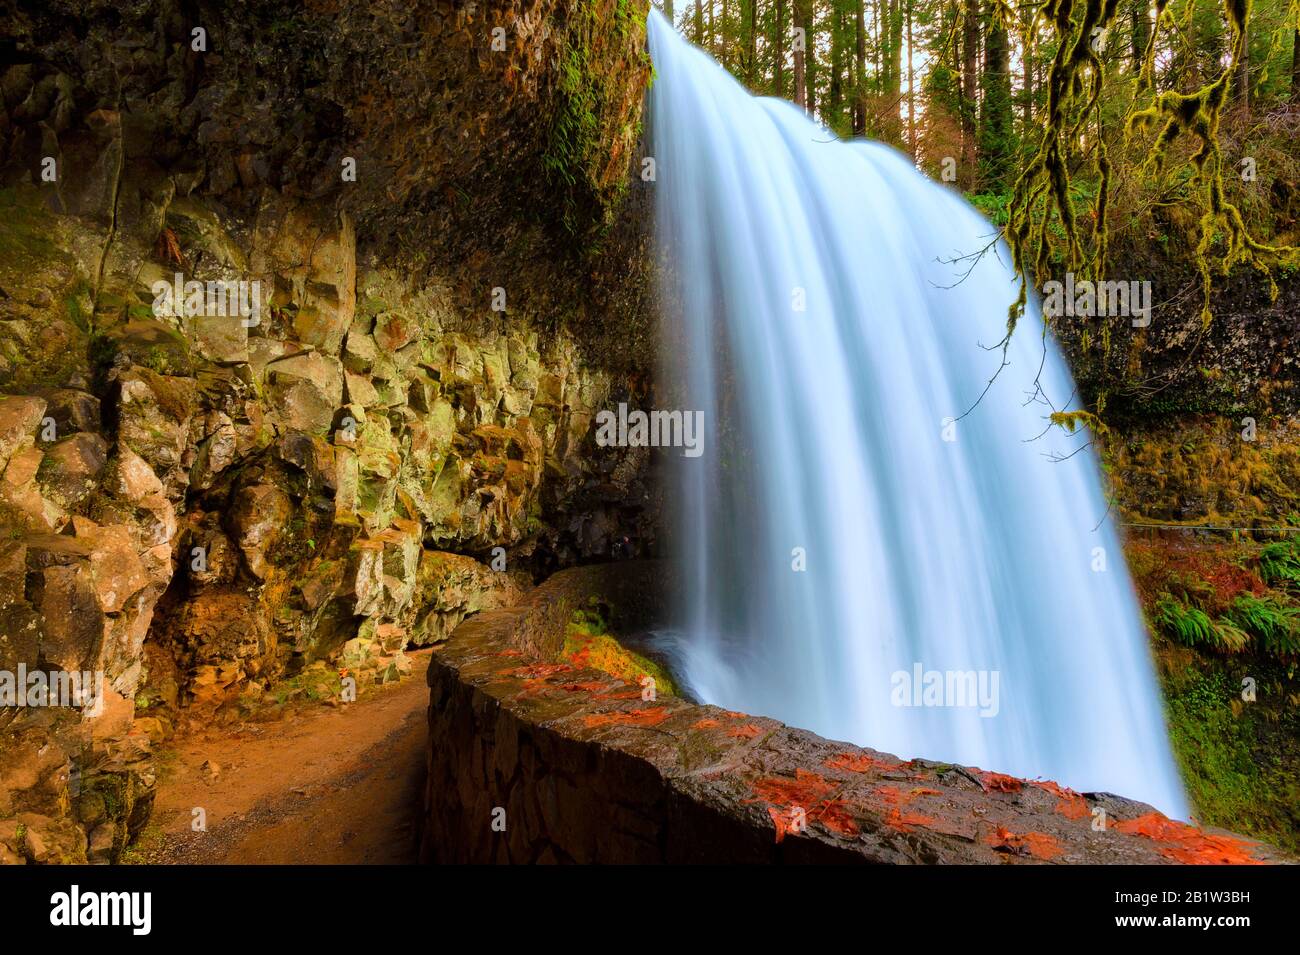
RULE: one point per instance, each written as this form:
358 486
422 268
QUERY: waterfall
872 528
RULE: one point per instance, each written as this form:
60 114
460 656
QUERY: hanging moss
1042 195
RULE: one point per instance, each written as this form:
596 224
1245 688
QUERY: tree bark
804 61
860 71
1241 82
751 46
1141 33
911 87
995 108
778 44
895 90
1295 67
970 36
1026 57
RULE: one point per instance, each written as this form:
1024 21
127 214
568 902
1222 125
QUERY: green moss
590 89
588 644
1238 758
28 227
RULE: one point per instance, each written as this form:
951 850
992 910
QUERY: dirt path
325 785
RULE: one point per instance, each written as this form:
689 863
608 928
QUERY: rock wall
370 418
534 761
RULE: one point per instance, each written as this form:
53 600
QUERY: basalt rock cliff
427 210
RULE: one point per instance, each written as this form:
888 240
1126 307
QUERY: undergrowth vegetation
1234 599
588 643
1225 623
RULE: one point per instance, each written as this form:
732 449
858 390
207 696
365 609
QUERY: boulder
70 470
256 521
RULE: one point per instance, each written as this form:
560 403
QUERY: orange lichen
704 724
598 687
779 820
1000 783
834 815
904 822
536 671
650 716
1037 844
748 731
805 789
1187 844
859 763
1070 804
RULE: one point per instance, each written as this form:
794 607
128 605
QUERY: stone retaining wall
532 760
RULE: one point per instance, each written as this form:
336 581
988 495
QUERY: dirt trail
326 785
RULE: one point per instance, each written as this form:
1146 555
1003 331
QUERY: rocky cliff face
300 352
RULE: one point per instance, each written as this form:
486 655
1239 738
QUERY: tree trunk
778 44
995 110
1295 67
911 87
751 46
860 71
970 36
878 48
1026 56
836 90
804 63
699 23
668 10
1141 35
1241 83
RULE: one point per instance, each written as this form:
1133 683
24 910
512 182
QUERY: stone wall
534 761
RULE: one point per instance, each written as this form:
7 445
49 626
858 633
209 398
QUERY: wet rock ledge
532 760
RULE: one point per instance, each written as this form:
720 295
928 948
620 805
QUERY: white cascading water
825 431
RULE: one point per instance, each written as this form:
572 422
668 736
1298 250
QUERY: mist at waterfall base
825 436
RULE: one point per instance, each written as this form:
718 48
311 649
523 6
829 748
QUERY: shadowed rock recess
198 504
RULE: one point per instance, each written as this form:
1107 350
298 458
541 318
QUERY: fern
1279 564
1187 625
1193 627
1274 626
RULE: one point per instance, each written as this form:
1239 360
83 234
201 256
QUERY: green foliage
1192 627
1279 564
1238 759
1276 627
577 156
